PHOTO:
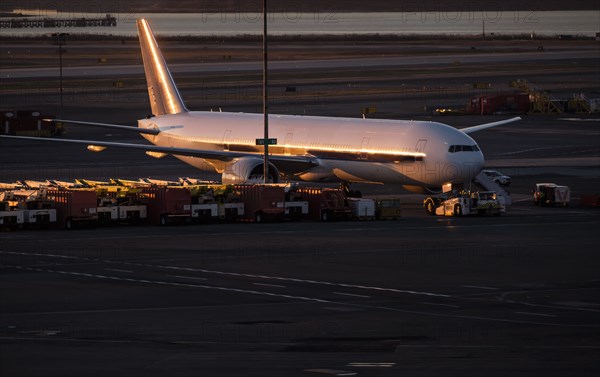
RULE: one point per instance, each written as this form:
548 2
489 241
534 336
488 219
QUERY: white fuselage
412 153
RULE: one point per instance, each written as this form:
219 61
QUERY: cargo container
362 209
167 205
325 203
388 209
262 202
74 207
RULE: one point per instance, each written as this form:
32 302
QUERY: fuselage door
288 141
363 146
226 140
420 147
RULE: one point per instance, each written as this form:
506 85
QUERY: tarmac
421 296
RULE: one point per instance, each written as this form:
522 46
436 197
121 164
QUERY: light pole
59 39
265 96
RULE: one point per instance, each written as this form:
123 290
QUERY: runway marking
270 285
538 314
432 303
372 365
40 255
186 277
118 270
351 294
479 287
267 277
334 372
310 299
262 293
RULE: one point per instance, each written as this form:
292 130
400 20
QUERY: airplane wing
296 163
148 131
484 126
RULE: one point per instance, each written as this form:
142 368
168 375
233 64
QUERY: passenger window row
463 148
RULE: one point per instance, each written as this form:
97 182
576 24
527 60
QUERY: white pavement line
333 372
118 270
295 280
262 293
269 285
433 303
480 287
351 294
536 314
372 365
39 255
186 277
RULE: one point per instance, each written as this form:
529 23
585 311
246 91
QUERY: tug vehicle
465 203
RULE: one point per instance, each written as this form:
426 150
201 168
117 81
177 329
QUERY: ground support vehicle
590 200
362 209
205 212
132 214
11 218
388 209
74 207
296 210
107 215
326 204
466 204
231 211
119 204
42 217
212 202
166 205
37 209
262 202
551 194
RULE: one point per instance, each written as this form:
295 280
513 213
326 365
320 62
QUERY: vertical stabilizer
164 96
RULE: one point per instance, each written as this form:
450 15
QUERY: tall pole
265 95
60 41
60 44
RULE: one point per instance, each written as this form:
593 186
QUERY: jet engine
248 170
423 190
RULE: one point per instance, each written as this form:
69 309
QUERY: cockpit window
463 148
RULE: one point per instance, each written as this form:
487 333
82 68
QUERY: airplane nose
480 162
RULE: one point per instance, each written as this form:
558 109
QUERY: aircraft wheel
164 220
430 207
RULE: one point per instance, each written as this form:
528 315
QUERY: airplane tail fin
164 96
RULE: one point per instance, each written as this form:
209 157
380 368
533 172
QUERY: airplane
421 156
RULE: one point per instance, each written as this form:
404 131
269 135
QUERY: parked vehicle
550 194
497 177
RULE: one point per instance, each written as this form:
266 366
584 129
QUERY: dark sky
199 6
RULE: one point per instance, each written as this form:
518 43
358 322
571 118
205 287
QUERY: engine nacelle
248 170
423 190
